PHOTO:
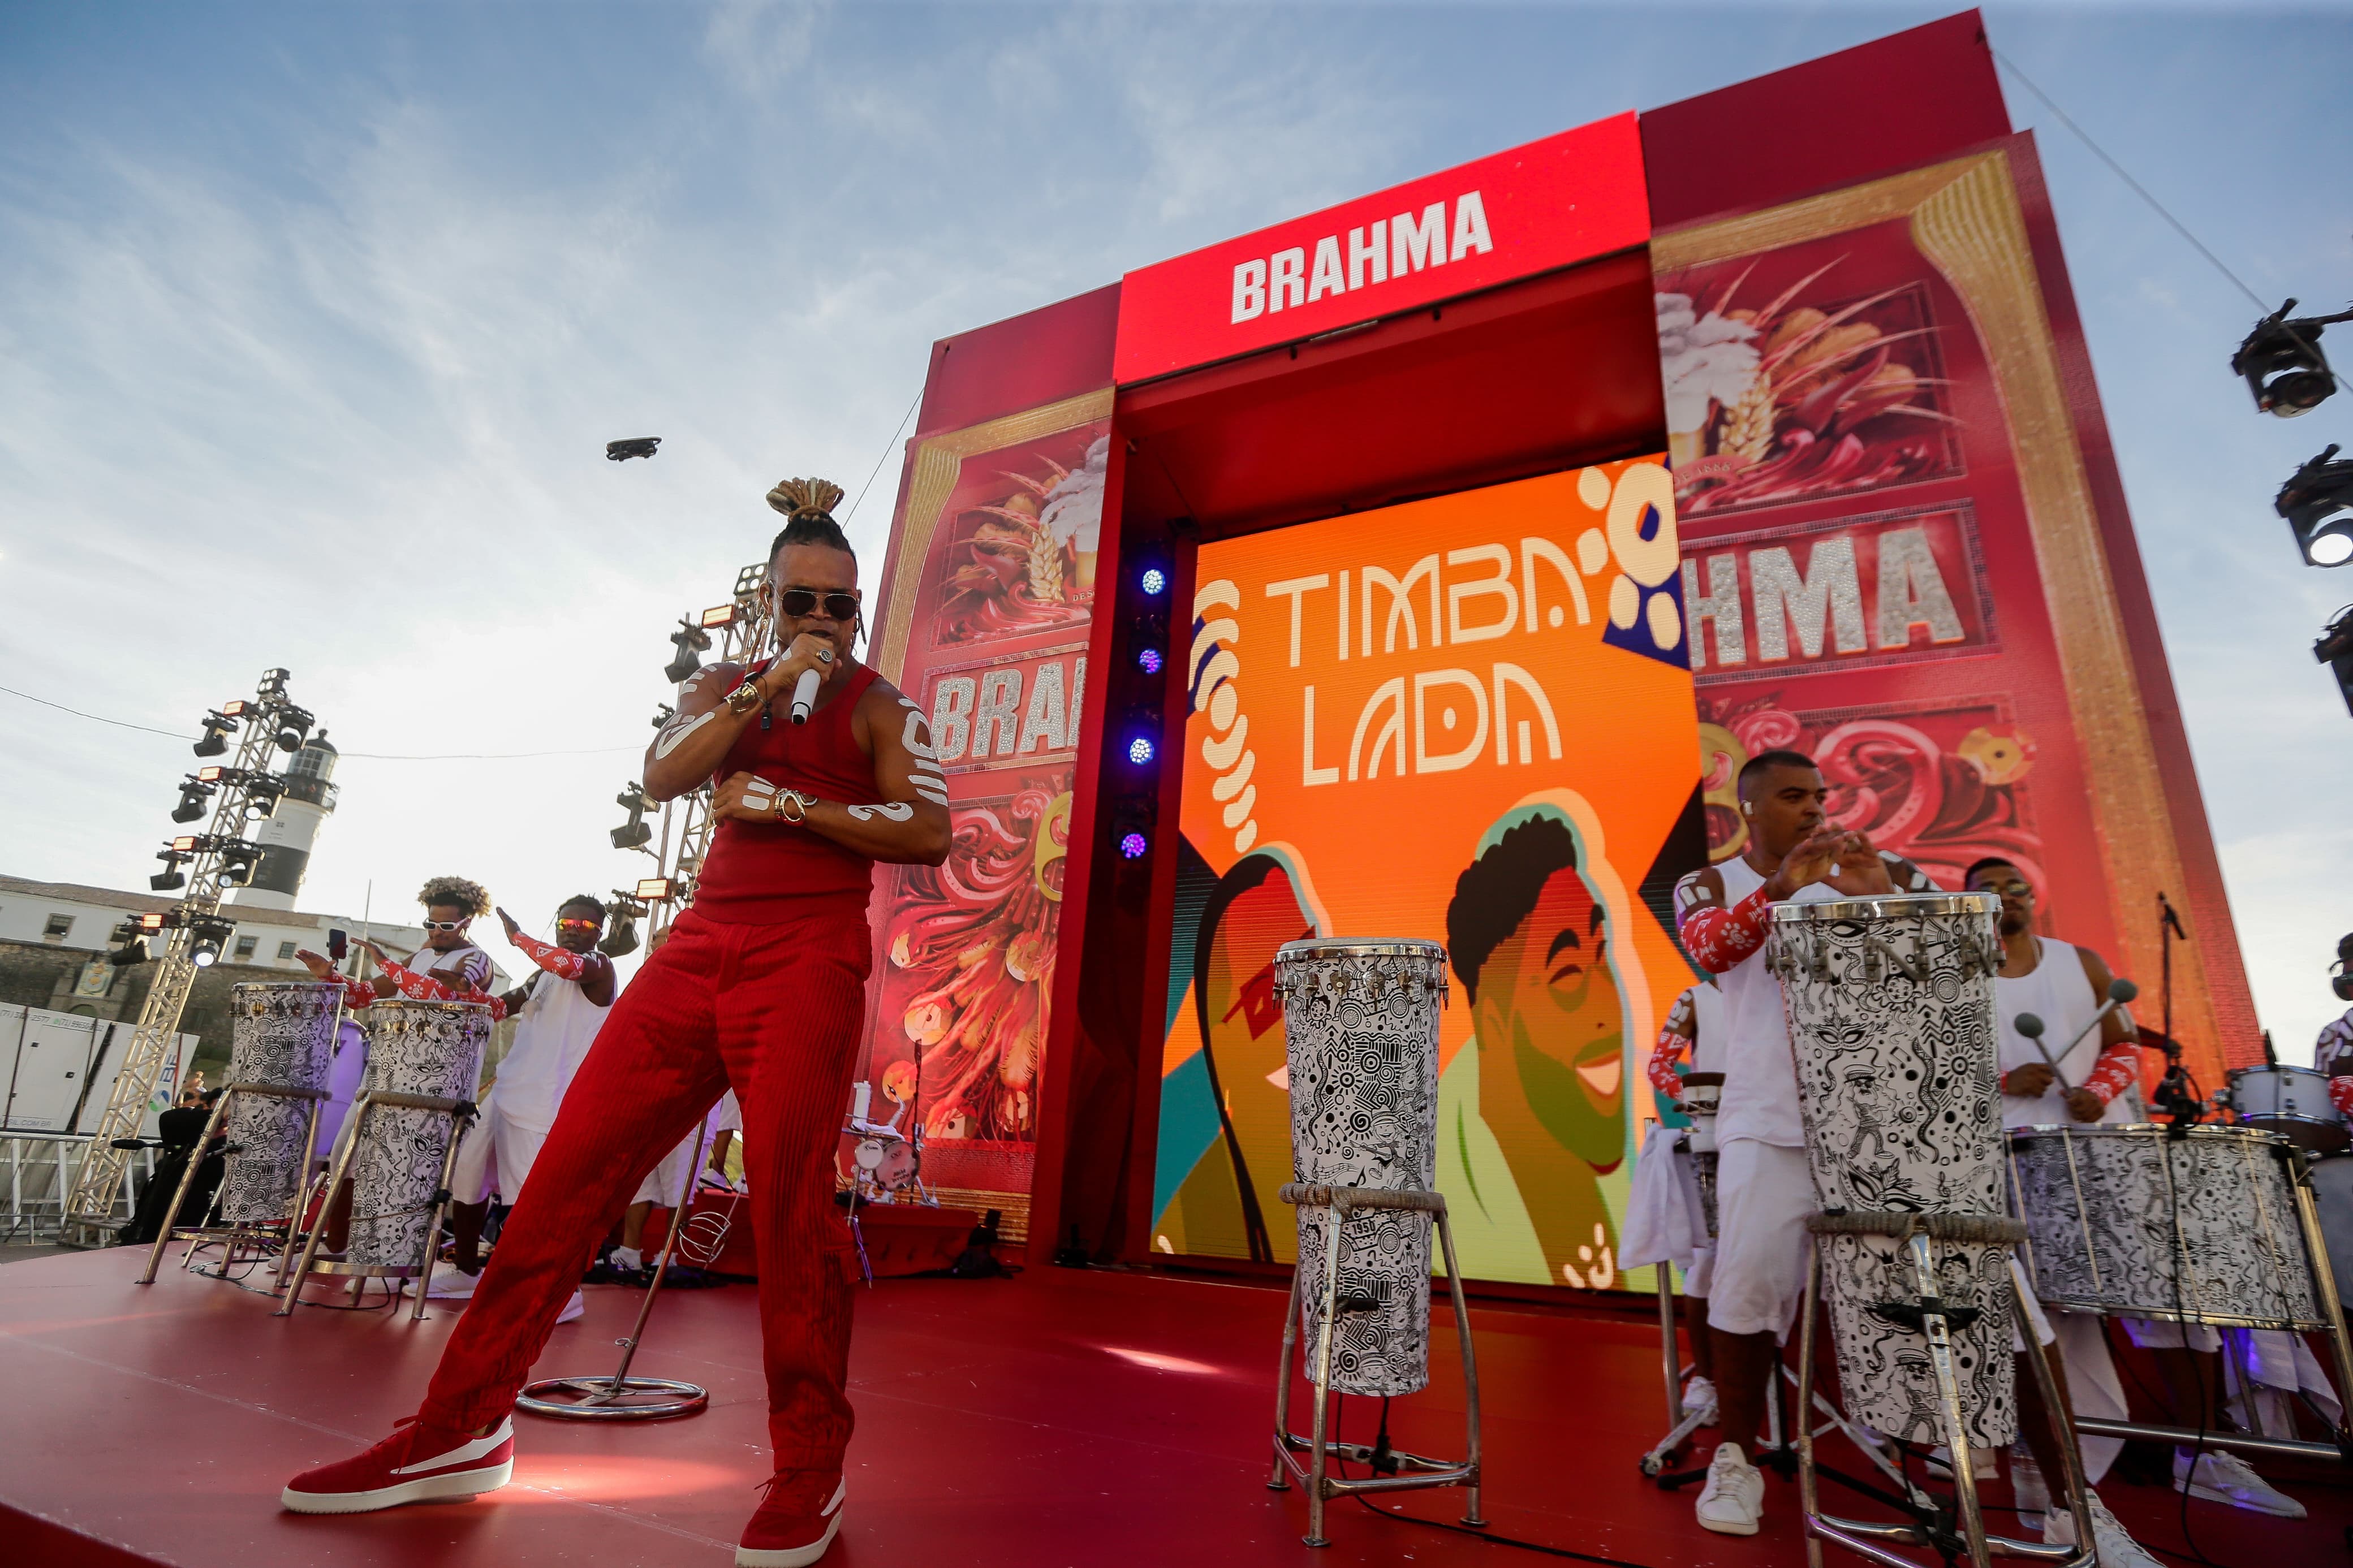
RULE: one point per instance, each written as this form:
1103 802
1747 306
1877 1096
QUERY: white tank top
2057 992
554 1030
1760 1076
1708 1023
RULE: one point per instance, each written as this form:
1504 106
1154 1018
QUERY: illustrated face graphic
1547 995
1245 1014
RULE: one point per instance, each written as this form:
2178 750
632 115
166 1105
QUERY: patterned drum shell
2292 1102
1360 1023
1889 1003
281 1034
414 1047
2126 1219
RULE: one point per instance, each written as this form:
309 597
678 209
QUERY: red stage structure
1833 296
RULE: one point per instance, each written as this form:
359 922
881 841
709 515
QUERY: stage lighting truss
2318 502
2283 364
634 832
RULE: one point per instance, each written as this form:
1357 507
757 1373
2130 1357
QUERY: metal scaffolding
242 790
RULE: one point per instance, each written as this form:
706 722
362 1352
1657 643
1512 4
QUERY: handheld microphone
805 695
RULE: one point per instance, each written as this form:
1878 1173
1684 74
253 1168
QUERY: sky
314 320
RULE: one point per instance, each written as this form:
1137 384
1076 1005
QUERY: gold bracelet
801 803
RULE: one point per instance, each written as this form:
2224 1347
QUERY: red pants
773 1011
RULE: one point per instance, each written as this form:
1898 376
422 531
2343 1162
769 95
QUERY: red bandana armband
1719 939
556 961
2115 1071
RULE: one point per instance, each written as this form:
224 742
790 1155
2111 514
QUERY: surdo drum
415 1047
1889 1001
1360 1020
2292 1102
2202 1228
281 1036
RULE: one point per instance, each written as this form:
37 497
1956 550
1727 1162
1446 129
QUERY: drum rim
2142 1130
1794 912
2110 1307
1355 947
405 1003
2236 1073
285 985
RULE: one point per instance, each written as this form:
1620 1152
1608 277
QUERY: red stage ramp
1057 1418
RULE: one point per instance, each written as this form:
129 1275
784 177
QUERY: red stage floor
1058 1418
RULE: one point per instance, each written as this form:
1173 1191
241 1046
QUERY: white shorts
495 1157
1764 1195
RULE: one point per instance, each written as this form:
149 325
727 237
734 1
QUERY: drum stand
2332 1311
1322 1448
231 1236
598 1398
459 1112
1919 1235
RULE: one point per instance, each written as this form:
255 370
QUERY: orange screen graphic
1467 718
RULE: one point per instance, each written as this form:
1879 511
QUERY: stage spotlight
129 946
1132 821
632 447
2335 649
211 935
1140 750
170 877
620 937
1149 661
2283 363
238 862
718 615
1134 844
1154 581
217 730
657 889
691 641
206 954
2317 501
161 920
292 725
273 682
632 833
193 799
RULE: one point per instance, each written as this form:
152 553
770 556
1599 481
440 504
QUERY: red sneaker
416 1464
797 1520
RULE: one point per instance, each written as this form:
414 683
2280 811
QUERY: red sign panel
1564 199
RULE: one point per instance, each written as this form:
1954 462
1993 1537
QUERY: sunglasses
799 602
579 925
445 925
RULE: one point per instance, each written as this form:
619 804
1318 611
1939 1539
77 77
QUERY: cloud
757 44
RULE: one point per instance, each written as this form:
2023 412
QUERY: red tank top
760 873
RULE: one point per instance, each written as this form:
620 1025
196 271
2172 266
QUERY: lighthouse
287 837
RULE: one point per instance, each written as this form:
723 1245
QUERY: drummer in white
1764 1191
2097 1080
557 1014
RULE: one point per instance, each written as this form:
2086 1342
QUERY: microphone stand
2173 1090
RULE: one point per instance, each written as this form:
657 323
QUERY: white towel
1664 1222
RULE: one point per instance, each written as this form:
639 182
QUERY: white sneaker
449 1285
2225 1477
2117 1548
574 1310
1732 1501
626 1257
1699 1394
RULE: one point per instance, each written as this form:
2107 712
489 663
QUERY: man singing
557 1014
761 987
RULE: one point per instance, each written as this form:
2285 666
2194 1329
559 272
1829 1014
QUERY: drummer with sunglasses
760 988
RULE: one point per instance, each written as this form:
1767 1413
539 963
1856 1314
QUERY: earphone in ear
1747 808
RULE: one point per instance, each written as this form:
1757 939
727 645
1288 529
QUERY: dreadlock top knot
797 499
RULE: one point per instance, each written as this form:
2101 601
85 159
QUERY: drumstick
2119 993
